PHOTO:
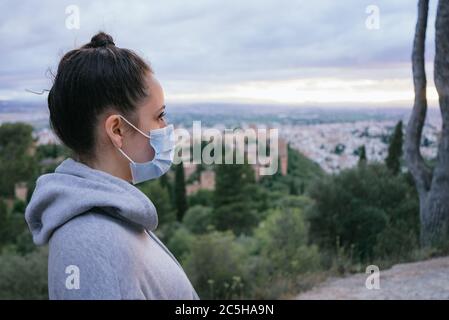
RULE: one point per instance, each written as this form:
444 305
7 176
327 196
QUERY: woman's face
149 115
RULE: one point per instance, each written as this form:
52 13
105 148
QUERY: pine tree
3 223
232 201
362 155
16 163
180 192
393 160
164 182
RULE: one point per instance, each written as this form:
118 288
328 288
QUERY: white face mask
163 142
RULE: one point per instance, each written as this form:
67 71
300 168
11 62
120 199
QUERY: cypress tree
362 155
393 160
180 192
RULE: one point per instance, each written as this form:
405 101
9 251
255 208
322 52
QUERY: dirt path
418 280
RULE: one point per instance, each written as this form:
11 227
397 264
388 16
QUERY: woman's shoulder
94 231
88 258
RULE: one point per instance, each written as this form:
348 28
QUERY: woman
106 105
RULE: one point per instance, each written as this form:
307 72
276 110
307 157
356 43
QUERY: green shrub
216 266
282 240
160 197
24 277
202 197
367 209
179 242
198 218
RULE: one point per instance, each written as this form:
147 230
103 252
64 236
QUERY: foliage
16 159
161 199
301 171
393 160
282 240
202 197
215 266
180 242
24 277
179 191
355 208
198 219
232 204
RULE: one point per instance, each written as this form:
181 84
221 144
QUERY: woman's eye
162 115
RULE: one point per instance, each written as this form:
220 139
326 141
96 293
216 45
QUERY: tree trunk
437 202
432 185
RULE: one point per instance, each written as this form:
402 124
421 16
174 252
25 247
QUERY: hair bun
101 39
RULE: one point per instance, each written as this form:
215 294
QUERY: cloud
205 45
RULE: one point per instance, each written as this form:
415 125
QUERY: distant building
21 191
189 169
206 182
283 155
46 136
207 177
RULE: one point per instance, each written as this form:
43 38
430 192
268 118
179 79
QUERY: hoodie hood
75 188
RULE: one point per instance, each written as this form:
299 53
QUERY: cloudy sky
269 51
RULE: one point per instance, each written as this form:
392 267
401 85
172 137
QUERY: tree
202 197
362 155
14 232
432 183
232 203
282 240
165 183
4 233
357 205
161 200
180 192
393 160
198 219
301 171
216 266
16 160
180 242
24 277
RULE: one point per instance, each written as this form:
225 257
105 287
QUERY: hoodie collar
75 188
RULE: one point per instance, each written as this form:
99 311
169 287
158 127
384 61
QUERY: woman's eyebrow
161 108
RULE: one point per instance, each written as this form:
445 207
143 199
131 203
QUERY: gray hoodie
101 242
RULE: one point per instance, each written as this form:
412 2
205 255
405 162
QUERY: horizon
317 106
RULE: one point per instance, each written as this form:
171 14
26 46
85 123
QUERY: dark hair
90 80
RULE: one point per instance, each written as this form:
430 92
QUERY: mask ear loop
141 132
127 157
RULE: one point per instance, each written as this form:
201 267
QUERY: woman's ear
113 126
